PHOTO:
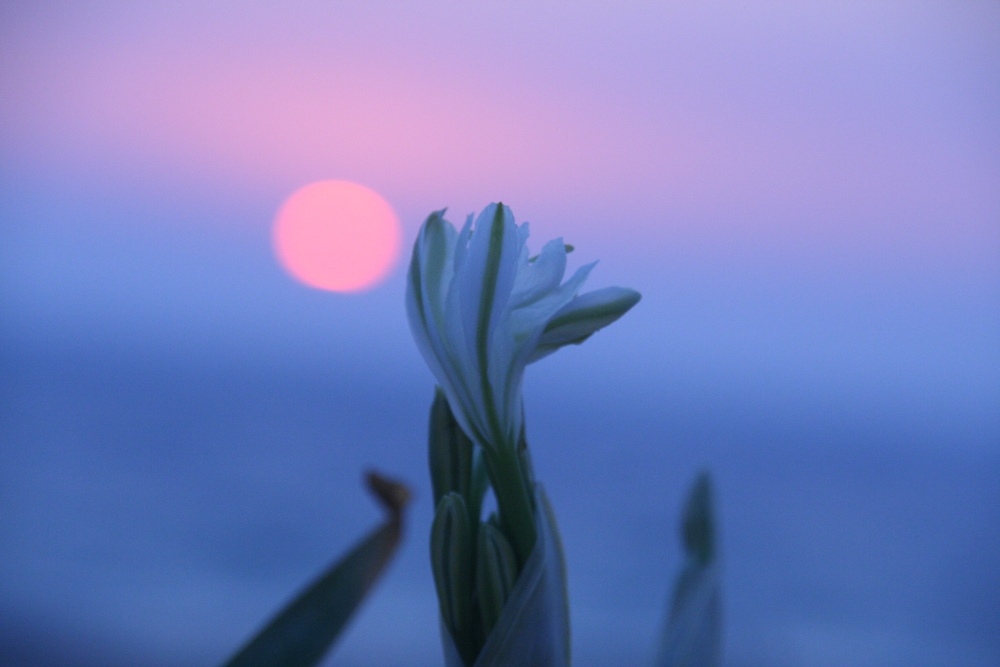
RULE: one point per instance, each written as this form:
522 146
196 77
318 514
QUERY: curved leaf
302 632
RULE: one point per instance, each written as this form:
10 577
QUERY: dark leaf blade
302 633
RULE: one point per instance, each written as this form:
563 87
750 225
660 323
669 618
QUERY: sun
337 236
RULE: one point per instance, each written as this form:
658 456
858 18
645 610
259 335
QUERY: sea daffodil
481 310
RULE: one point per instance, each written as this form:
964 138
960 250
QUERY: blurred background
806 194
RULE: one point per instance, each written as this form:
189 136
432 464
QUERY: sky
805 195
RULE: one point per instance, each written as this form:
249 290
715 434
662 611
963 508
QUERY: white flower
481 310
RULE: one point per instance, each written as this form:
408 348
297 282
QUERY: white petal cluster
481 310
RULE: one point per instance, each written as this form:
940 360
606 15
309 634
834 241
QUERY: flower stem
514 501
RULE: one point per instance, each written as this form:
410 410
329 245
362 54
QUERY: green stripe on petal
584 315
493 290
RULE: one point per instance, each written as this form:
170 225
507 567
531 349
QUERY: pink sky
860 125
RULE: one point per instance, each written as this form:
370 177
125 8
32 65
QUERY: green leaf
302 632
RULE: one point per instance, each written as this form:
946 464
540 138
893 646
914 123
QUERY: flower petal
430 248
537 278
481 311
485 281
523 328
582 316
428 284
528 321
437 248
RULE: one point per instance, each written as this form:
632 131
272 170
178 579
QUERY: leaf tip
392 494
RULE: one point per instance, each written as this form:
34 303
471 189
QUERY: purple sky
855 128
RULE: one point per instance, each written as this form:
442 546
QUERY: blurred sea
171 471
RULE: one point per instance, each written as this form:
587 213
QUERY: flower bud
451 562
496 573
449 450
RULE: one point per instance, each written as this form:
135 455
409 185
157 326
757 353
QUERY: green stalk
514 501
